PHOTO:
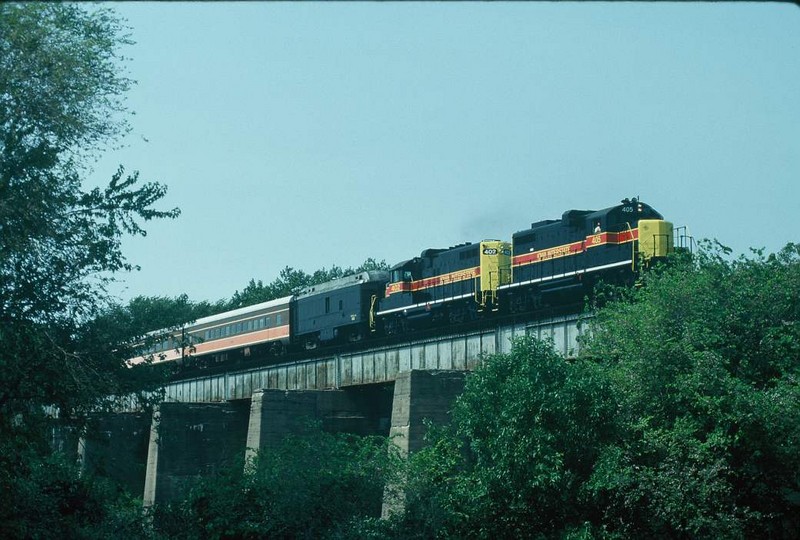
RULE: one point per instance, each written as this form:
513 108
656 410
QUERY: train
553 262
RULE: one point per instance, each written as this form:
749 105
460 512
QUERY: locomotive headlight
639 207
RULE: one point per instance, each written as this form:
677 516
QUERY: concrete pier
189 441
421 395
115 446
274 414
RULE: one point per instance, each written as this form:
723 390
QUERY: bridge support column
419 395
115 446
190 440
274 414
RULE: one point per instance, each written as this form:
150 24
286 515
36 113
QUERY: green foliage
61 102
61 86
705 361
525 434
45 497
312 485
680 419
59 93
291 281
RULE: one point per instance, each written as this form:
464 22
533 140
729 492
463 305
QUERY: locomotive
552 262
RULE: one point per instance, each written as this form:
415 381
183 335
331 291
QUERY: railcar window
278 319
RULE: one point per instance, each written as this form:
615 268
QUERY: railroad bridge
206 421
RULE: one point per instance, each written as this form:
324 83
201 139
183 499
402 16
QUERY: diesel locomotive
554 261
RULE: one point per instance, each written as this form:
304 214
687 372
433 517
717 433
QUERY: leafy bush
681 418
313 485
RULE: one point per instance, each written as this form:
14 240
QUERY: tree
61 102
705 359
525 434
681 418
312 485
291 281
59 91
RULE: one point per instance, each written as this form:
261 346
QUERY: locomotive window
407 276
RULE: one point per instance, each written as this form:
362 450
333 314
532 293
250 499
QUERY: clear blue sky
307 135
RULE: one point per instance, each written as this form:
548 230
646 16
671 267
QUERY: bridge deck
375 365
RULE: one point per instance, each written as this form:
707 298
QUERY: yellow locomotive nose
655 238
495 270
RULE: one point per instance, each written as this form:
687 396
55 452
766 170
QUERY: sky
308 135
